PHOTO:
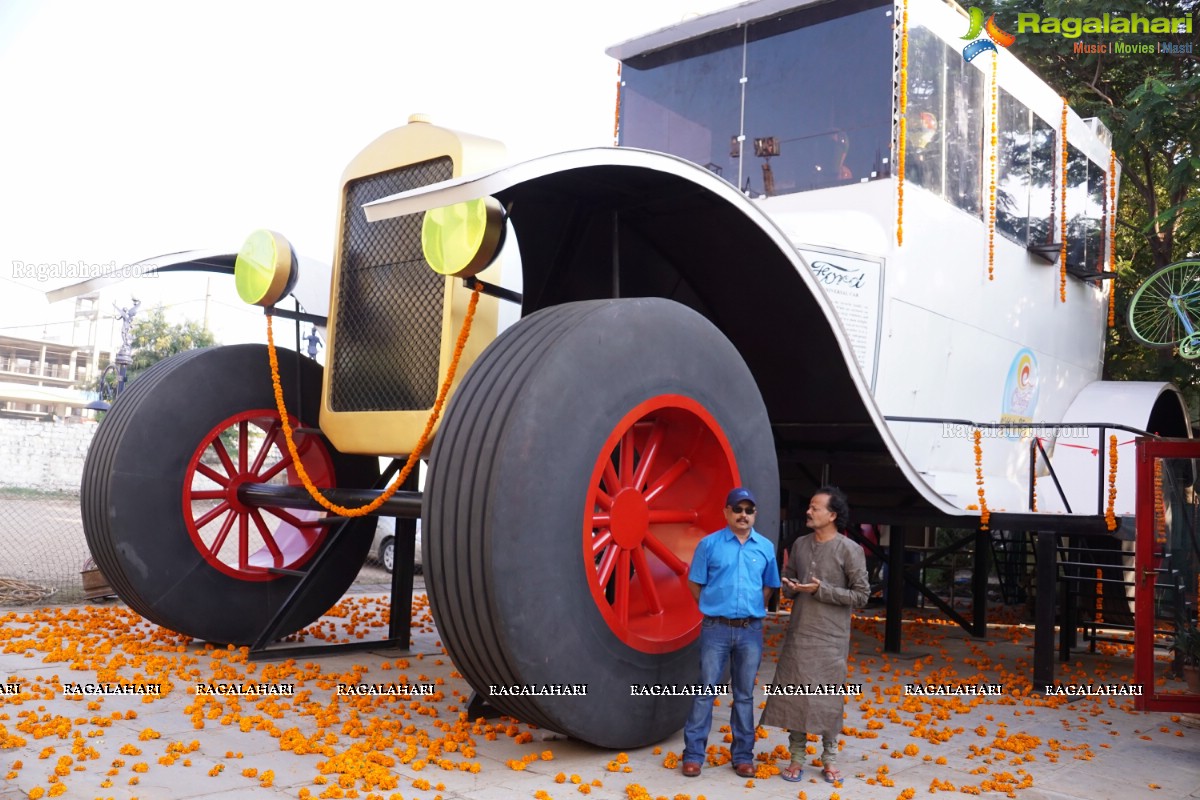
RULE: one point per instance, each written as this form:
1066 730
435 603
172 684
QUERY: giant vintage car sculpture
800 265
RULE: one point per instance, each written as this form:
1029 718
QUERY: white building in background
56 373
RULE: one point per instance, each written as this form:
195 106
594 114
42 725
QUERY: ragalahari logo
993 35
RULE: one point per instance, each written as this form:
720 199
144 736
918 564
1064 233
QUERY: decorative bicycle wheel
1165 310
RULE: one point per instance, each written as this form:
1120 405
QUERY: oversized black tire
159 489
583 456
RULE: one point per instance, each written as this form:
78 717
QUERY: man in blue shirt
732 576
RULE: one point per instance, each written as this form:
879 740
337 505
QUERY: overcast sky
133 129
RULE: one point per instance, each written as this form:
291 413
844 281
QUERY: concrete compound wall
46 456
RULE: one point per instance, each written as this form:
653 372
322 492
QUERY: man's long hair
838 505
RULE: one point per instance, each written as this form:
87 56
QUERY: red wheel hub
630 518
250 448
658 487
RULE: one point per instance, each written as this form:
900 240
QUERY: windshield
814 108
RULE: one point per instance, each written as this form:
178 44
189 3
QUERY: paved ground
181 746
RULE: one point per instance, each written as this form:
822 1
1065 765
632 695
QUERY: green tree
1151 103
155 339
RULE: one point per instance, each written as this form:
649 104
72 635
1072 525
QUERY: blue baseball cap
739 494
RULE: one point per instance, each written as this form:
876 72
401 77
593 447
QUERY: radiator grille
389 303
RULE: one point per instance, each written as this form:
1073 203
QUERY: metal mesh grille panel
389 303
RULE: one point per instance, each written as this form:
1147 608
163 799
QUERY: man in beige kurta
826 577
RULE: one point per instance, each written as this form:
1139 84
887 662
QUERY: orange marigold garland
1062 212
1112 237
984 514
1112 302
617 111
413 457
1160 517
992 184
1110 516
1099 595
902 134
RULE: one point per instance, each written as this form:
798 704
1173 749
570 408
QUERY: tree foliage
1151 104
155 339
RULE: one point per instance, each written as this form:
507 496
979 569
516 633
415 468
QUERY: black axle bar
403 504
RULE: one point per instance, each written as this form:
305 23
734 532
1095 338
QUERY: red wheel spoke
276 468
646 580
268 539
601 541
621 595
611 482
666 516
211 515
655 545
243 445
265 448
601 520
219 542
667 478
209 494
603 499
226 461
243 549
212 474
627 453
607 562
648 453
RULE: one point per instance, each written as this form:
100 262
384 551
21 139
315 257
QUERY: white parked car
383 547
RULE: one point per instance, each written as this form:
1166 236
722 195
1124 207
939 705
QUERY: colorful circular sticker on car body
1020 392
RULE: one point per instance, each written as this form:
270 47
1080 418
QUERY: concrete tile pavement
95 746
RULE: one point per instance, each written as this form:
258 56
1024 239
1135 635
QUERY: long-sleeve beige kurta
818 637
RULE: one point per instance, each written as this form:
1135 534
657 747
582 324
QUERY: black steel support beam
403 556
1043 630
979 584
895 591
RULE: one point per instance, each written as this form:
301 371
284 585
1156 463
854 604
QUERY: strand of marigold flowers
984 514
1160 518
617 111
1062 212
1112 237
1099 595
413 457
992 183
1110 517
902 134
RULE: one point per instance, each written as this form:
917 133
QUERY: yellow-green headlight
265 270
461 240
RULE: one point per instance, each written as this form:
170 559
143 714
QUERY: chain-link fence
42 548
43 551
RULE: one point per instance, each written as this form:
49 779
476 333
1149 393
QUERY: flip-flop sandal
831 775
792 773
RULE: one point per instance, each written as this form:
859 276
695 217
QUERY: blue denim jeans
741 650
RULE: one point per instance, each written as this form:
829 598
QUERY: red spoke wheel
622 421
244 542
159 496
658 487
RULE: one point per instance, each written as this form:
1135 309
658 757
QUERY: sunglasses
744 510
